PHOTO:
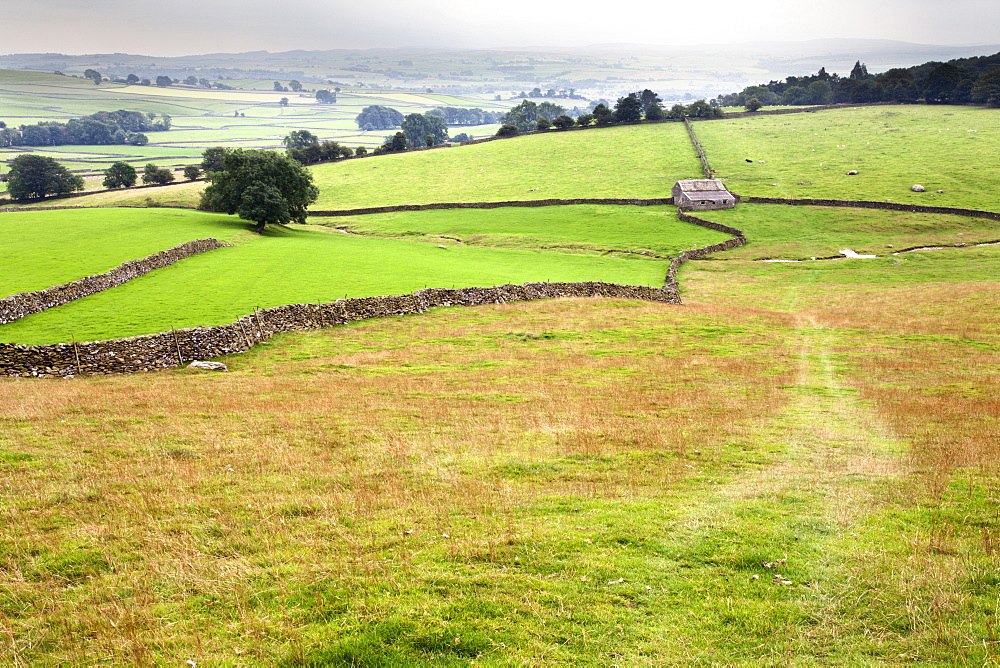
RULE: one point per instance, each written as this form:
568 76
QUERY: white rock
208 366
918 189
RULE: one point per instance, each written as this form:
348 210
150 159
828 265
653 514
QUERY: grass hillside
94 241
796 232
312 263
633 161
797 466
892 147
650 230
202 117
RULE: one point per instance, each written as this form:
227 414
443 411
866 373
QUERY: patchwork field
796 466
311 263
202 117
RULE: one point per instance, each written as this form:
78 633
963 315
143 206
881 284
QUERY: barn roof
702 186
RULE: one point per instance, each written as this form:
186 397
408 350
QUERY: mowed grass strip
45 248
639 229
947 148
796 232
304 265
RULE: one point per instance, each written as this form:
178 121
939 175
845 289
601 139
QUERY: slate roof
703 186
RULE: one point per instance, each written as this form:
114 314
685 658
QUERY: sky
191 27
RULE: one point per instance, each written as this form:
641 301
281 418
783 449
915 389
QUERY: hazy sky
179 27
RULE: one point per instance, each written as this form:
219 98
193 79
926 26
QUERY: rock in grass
918 189
208 366
853 172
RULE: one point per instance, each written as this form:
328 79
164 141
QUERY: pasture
311 263
592 481
796 466
202 117
891 147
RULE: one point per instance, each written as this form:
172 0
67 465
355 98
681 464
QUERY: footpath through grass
587 481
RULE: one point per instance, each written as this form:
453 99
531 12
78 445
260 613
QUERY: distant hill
600 70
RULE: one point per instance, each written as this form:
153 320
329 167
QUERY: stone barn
702 195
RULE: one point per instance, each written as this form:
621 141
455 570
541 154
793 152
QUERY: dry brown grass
168 512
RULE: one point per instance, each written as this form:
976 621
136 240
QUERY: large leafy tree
377 117
649 100
40 176
120 175
298 139
628 109
987 89
523 116
265 187
423 128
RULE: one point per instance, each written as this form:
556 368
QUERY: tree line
960 81
104 127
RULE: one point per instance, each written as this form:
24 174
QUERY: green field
318 264
551 165
798 466
102 239
799 232
892 147
203 117
653 230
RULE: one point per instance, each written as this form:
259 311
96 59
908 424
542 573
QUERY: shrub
159 175
563 122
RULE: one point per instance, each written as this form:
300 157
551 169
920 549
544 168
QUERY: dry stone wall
701 152
495 205
22 304
885 206
738 240
175 348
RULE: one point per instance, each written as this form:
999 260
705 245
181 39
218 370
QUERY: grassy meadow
95 241
312 263
798 232
797 466
791 468
245 117
891 147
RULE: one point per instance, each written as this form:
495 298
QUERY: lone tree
40 176
265 187
191 172
93 75
120 175
753 104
